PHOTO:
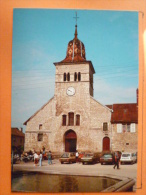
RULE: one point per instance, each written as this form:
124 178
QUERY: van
128 157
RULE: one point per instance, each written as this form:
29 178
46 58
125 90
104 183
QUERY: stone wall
125 141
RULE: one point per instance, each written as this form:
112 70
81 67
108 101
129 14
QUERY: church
72 119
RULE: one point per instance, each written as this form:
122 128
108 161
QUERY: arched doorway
70 141
106 144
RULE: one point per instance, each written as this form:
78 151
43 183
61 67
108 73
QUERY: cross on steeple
76 18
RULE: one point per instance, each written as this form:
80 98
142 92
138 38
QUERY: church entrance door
106 144
70 141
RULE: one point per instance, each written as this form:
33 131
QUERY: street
125 171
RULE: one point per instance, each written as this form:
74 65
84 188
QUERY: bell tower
74 75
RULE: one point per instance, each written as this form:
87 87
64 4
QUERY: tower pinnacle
76 26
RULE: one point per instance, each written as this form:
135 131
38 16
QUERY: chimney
137 95
21 129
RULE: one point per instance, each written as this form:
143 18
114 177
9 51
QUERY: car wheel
101 163
61 162
82 163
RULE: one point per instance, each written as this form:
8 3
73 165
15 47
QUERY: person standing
77 155
43 153
50 158
40 159
35 159
116 160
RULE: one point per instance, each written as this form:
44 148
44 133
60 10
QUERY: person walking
50 158
116 160
35 159
40 159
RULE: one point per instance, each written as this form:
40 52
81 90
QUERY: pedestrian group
42 155
38 157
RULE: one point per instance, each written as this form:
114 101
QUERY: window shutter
119 128
132 128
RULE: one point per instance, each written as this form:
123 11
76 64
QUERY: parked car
128 157
90 158
27 158
68 157
107 158
81 154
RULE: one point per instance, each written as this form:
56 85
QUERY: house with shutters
124 126
72 119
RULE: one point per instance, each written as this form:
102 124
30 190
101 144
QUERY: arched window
70 118
75 76
64 78
79 76
78 120
64 120
68 76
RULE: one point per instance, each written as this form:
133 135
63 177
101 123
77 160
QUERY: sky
40 38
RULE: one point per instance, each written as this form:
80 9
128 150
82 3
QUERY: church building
72 119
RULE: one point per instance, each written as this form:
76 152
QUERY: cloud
106 93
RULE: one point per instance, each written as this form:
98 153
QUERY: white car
128 157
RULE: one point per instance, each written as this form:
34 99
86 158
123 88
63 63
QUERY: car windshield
107 156
65 155
125 155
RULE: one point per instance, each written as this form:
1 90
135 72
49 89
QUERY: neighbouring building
72 119
17 138
124 127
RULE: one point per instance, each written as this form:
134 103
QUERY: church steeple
75 49
76 32
76 27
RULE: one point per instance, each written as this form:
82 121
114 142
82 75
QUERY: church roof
75 50
75 53
124 113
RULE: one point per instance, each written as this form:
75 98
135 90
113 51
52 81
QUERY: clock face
70 91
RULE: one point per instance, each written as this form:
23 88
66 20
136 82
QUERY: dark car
68 157
90 158
107 158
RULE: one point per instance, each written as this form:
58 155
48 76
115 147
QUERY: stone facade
92 114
